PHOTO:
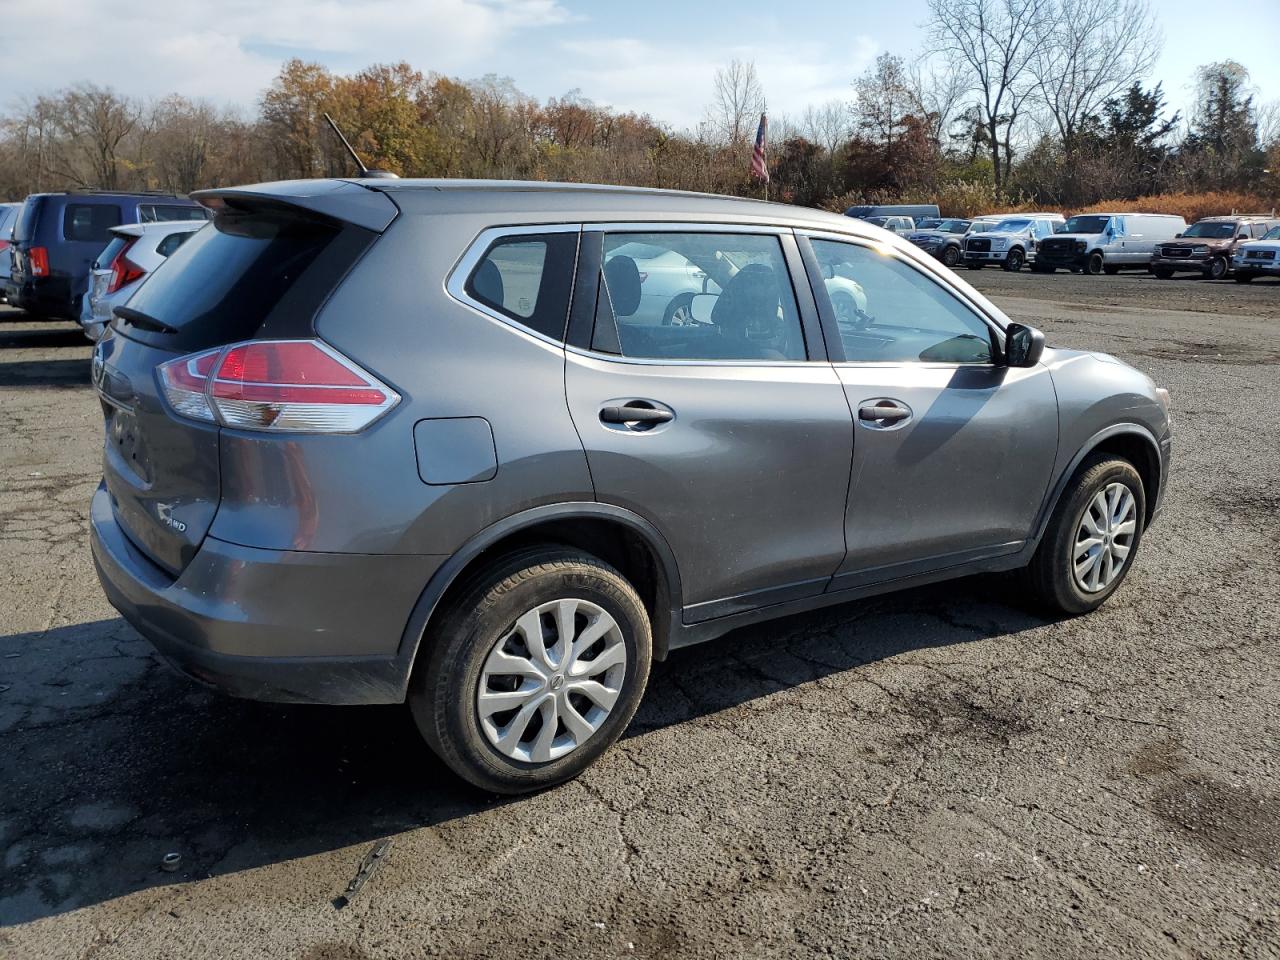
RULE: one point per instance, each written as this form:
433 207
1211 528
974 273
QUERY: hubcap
550 683
1104 537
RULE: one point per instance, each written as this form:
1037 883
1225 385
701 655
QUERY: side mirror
1176 236
1023 345
701 305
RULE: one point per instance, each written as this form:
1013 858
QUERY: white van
1107 242
1013 241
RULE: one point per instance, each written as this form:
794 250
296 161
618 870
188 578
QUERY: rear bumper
45 296
269 624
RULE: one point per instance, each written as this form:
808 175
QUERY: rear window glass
110 252
245 275
173 241
528 277
158 212
24 226
89 222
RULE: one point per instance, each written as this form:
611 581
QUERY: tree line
1040 102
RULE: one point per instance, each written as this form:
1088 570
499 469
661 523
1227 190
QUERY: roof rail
129 193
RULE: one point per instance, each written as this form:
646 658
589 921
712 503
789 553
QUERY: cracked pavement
937 773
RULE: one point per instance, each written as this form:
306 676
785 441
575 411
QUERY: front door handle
883 412
640 413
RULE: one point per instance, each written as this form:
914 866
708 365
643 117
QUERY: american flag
759 169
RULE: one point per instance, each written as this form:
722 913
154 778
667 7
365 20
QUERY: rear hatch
261 271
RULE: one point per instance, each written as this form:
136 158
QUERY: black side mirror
1176 236
1023 345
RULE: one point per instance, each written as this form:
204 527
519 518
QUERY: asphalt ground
937 773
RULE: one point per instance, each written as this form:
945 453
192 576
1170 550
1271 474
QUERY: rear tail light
38 261
124 270
282 385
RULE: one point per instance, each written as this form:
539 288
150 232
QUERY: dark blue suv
57 236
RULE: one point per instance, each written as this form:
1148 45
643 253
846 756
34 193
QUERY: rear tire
509 630
1095 263
1052 574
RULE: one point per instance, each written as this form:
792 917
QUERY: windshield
953 226
1013 226
1090 224
1217 230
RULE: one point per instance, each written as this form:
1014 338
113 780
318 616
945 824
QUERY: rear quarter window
528 277
89 222
173 241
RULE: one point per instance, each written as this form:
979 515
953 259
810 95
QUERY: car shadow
45 373
43 338
111 760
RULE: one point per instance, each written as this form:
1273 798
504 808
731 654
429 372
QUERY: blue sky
657 57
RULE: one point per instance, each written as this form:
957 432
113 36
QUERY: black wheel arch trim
440 582
1060 485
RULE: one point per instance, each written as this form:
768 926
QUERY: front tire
533 671
1095 263
1218 268
950 256
679 311
1092 537
1013 260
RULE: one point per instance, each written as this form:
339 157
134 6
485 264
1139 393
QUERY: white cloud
674 82
229 51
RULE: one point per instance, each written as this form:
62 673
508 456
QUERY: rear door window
89 222
703 296
160 212
528 277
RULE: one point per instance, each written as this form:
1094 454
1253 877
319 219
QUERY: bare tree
998 41
1092 51
739 101
93 122
936 90
827 125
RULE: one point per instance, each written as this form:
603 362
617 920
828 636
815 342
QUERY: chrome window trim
684 226
455 284
940 281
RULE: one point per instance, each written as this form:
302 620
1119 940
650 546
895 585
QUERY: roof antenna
364 171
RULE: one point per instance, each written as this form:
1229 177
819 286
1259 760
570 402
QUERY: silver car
381 440
132 253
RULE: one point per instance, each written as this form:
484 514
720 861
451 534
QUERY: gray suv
376 441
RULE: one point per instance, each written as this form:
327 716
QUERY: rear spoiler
332 199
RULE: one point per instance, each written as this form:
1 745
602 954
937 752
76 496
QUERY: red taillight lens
38 261
124 270
296 385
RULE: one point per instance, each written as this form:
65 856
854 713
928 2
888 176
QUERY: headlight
1200 250
1080 246
1163 396
999 244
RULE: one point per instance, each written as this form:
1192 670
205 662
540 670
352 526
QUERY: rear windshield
158 212
25 226
89 222
246 275
110 252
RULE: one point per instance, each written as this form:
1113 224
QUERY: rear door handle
638 413
883 412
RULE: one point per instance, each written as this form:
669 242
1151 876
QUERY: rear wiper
143 321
